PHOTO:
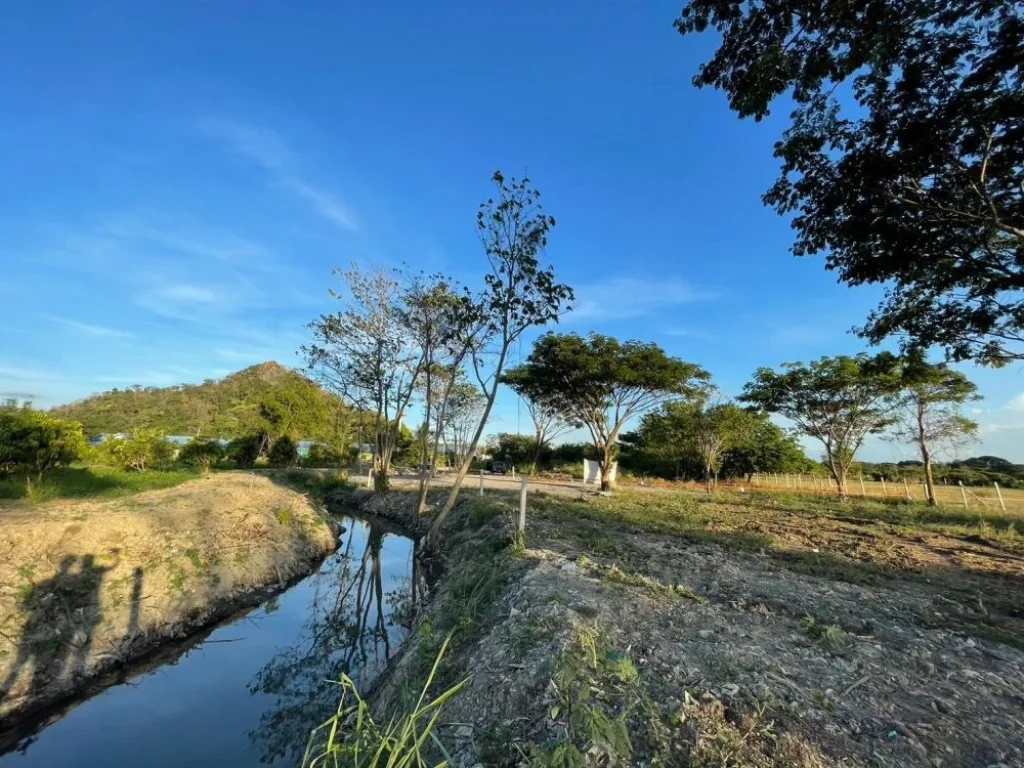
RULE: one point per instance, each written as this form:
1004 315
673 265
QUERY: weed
27 571
284 516
615 575
197 561
352 737
831 636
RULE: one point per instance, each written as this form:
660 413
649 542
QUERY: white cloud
187 294
798 335
271 152
88 329
26 374
689 333
624 297
1016 404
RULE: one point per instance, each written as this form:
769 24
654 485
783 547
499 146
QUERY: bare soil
761 637
88 585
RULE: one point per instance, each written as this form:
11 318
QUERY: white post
369 477
522 507
513 473
885 491
862 491
787 479
481 482
799 482
906 487
1000 495
963 493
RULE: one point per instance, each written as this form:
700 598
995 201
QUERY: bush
322 456
283 453
244 451
145 449
201 453
33 441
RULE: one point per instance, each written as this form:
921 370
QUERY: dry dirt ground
696 631
87 585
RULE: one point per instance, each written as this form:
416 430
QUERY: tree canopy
602 383
905 151
838 401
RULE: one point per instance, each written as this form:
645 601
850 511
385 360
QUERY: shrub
283 453
201 453
33 441
323 456
144 449
244 451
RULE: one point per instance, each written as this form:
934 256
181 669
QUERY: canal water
248 692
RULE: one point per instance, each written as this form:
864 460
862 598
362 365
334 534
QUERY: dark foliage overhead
904 159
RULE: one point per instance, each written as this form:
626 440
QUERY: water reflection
249 690
352 628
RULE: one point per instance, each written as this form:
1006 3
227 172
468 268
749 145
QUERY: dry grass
87 584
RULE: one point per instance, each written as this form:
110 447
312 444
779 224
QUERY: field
734 628
88 482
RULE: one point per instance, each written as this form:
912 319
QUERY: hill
228 407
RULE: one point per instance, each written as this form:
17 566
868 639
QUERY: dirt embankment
86 586
602 644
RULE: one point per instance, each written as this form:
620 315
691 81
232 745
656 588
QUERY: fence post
963 493
862 491
1000 495
885 491
799 482
522 507
787 480
906 487
513 473
369 477
481 482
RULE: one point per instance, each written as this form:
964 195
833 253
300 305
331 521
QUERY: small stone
706 633
464 732
569 567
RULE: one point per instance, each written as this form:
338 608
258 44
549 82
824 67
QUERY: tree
459 420
365 354
548 423
768 449
713 430
838 401
516 450
914 181
35 442
602 383
444 324
929 414
201 453
519 294
283 453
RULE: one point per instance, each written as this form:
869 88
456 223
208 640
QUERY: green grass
91 483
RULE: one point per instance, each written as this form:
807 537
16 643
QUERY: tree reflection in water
353 627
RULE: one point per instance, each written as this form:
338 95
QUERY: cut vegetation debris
726 630
87 585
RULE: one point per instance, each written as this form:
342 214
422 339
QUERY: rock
706 633
464 732
569 567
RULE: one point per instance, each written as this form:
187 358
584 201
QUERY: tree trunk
433 537
607 461
536 456
926 457
839 476
426 467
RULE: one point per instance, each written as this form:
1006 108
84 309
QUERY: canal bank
89 586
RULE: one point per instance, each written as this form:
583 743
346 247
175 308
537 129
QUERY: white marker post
963 493
481 482
906 487
522 507
369 478
999 493
885 491
862 491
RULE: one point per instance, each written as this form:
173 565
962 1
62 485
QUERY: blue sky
180 179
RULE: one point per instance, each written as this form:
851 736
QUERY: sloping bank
90 585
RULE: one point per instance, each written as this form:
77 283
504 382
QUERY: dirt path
87 585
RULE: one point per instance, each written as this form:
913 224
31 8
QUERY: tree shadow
62 614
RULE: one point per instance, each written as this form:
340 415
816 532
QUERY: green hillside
229 407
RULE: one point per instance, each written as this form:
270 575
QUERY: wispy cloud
798 336
16 373
88 329
272 152
1016 404
689 333
625 297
